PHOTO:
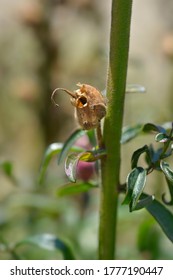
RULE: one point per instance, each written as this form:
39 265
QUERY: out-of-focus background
46 44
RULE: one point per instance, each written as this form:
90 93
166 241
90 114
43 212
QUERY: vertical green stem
110 166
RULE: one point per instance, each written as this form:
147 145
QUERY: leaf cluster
136 198
155 159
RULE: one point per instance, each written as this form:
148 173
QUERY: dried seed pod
89 103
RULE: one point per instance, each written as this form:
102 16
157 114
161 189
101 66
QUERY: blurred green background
46 44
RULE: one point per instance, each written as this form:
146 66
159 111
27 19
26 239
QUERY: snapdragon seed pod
90 105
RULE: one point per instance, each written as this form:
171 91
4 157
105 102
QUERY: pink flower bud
85 170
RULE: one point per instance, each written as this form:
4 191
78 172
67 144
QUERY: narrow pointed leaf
135 185
163 216
52 150
137 154
169 179
71 189
150 127
49 242
131 178
73 159
135 88
142 203
170 186
69 143
130 132
138 187
166 170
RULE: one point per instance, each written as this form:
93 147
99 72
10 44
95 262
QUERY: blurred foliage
50 43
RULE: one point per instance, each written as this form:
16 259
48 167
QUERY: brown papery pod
89 103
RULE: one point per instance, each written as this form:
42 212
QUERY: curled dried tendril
63 89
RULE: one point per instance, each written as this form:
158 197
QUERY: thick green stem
110 166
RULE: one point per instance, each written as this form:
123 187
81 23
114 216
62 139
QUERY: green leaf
170 186
135 184
138 188
162 138
144 202
71 189
166 170
49 242
150 127
134 88
71 166
73 159
137 154
130 132
163 216
52 150
69 143
169 179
